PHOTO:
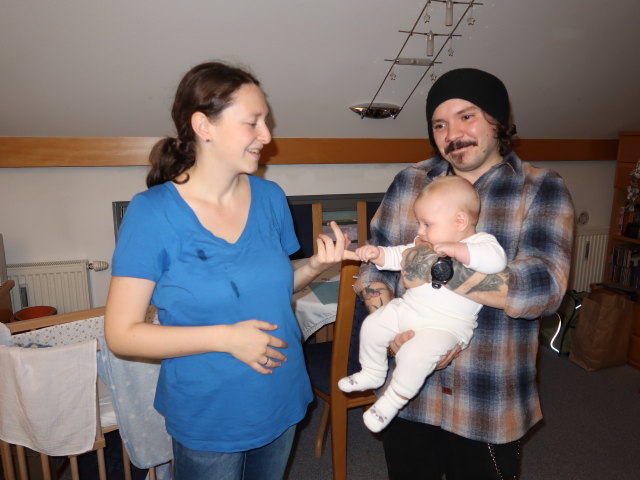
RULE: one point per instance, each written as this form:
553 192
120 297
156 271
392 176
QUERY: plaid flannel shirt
489 392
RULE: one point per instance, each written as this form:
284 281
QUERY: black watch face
441 272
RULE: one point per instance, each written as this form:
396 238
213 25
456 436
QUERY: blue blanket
133 386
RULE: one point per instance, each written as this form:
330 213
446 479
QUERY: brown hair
206 88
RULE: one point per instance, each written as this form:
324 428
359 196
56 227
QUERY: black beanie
476 86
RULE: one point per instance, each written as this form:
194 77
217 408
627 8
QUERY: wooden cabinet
634 342
623 261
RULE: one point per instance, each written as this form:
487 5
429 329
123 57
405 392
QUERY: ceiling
74 68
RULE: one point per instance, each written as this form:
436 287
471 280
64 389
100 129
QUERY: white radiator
63 285
589 255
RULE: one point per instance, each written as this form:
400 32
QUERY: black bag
556 330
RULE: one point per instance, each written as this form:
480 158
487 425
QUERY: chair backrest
6 307
307 223
344 322
365 212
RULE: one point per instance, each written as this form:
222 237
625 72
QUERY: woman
208 244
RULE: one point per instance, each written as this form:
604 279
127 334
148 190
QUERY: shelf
622 238
628 155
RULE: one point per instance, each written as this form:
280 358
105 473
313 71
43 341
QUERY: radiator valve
98 265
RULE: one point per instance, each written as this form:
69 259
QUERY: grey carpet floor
591 430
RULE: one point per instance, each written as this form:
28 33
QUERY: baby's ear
462 221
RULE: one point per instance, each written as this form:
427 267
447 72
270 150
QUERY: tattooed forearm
418 262
373 297
490 283
460 275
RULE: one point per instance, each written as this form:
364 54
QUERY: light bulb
449 14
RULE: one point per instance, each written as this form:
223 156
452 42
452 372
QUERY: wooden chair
6 307
327 363
364 213
307 222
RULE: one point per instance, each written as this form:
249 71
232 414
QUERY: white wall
52 214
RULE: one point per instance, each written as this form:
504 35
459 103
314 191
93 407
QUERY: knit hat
476 86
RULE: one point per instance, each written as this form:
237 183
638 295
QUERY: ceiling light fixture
389 110
376 110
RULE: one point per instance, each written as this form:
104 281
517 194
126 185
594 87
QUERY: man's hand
445 360
404 337
399 339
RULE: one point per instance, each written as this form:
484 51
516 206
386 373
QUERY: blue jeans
264 463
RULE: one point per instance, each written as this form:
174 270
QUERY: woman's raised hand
250 343
330 252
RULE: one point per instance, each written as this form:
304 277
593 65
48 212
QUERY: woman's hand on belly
249 342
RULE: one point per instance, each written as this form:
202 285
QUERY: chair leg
339 441
321 434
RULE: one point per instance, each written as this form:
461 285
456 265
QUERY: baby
447 211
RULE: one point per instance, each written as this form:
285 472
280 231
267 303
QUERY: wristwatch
441 272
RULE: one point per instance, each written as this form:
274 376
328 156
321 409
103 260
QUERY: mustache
459 144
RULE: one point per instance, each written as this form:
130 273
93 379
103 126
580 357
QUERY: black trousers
416 451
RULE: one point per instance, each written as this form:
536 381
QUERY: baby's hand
457 250
448 249
368 252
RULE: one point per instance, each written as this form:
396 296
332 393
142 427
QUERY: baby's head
447 210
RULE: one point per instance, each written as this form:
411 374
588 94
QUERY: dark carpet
591 430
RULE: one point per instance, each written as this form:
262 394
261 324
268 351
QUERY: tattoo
368 295
418 262
489 283
460 275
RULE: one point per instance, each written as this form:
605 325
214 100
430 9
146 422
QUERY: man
468 420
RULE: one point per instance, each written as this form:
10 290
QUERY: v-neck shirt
213 401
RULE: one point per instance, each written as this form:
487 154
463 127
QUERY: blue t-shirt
212 401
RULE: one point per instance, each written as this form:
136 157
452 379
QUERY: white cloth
48 397
5 335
